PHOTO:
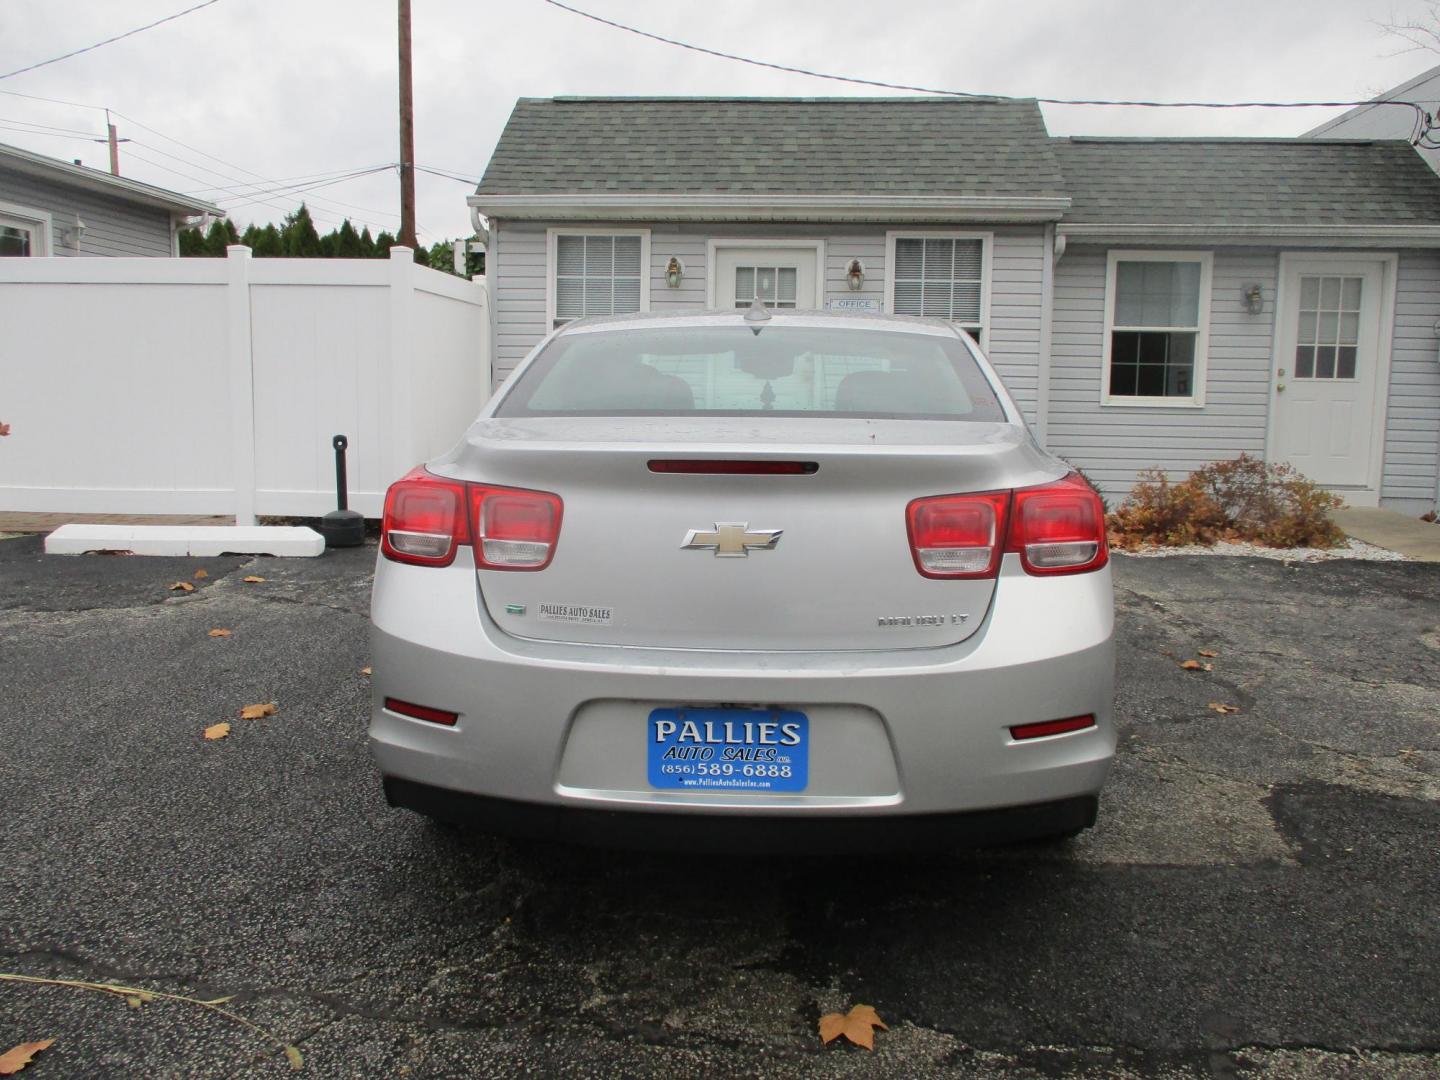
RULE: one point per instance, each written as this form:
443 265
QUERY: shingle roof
774 146
1246 181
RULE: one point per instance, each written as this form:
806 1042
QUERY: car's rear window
745 371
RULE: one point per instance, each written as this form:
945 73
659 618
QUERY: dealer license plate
729 749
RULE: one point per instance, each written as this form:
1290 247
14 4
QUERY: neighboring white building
1385 118
51 207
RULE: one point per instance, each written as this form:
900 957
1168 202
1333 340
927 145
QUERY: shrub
1241 499
1104 502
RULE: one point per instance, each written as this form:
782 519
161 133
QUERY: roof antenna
758 313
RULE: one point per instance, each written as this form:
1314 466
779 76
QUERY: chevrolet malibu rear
754 581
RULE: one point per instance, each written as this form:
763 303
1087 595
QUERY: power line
110 40
445 174
756 63
1424 120
42 128
53 101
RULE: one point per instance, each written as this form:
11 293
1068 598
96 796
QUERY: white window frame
551 265
987 258
715 245
1196 398
39 222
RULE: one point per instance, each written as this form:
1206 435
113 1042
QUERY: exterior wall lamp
1254 298
674 272
855 274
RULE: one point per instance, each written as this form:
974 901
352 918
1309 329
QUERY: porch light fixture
674 272
855 274
1254 299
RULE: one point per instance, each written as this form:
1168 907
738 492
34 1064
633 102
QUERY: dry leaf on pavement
1222 708
202 573
1196 665
182 586
1207 652
858 1026
366 671
219 631
217 731
16 1058
253 579
258 712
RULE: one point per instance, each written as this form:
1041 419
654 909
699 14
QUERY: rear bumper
896 734
767 834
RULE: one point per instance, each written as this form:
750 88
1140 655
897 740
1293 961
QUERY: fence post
242 381
401 448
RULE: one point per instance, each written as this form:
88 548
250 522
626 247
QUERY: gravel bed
1352 549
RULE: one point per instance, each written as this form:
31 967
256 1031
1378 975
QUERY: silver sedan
762 580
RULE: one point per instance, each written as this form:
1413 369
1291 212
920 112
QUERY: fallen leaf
218 731
219 632
858 1026
366 671
138 998
253 579
1207 652
16 1058
202 573
258 712
1191 665
1222 708
296 1061
183 586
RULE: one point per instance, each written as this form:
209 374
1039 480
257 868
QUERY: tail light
425 521
1046 728
514 529
429 518
958 536
1057 528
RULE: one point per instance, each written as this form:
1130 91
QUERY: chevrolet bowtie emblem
732 539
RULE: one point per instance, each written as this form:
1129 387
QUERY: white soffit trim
1307 235
642 206
204 541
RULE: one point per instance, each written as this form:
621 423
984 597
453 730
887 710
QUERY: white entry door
1327 370
781 277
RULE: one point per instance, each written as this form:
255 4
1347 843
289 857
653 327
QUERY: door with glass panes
1325 373
781 277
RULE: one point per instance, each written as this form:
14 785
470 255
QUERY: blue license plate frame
728 750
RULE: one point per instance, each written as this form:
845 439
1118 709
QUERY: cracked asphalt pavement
1260 897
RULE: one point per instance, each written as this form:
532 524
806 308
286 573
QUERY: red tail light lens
1052 727
421 712
958 536
514 529
425 520
428 518
1059 528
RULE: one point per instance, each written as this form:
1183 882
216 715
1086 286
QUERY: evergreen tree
298 235
367 244
222 234
383 243
192 243
348 243
267 243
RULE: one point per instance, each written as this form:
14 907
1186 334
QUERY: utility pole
114 145
407 134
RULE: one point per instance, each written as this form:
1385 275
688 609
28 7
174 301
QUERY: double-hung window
597 272
1156 314
23 232
941 276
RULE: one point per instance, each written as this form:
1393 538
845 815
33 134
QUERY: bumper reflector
421 712
1052 727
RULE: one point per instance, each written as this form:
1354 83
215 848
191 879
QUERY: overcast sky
306 87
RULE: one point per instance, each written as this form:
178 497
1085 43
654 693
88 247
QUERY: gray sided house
51 207
1150 302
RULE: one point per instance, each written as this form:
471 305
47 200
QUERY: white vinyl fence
214 386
